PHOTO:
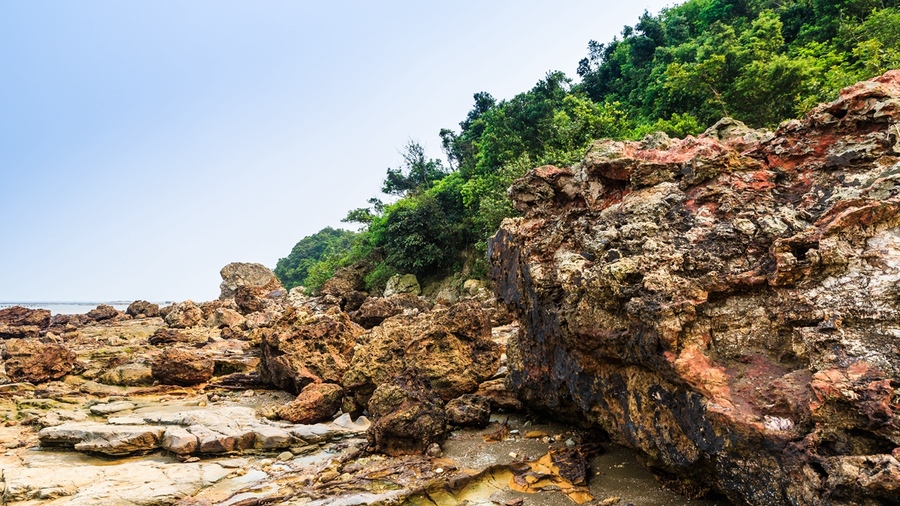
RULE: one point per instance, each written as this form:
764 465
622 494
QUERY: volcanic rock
303 348
375 310
238 274
142 309
448 349
224 317
184 315
19 331
727 305
102 312
33 361
18 316
179 366
317 402
408 418
469 410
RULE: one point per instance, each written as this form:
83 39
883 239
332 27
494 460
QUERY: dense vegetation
679 71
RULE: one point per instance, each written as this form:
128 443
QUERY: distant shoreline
69 307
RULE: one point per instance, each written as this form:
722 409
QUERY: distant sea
71 307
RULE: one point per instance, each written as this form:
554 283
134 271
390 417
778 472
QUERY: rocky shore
726 305
269 397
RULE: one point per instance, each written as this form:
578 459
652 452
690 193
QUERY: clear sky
146 144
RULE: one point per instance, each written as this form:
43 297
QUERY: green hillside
678 71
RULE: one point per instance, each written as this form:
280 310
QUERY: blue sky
146 144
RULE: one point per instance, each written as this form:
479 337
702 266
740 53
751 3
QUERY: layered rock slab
725 304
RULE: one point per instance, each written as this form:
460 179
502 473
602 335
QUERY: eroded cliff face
728 305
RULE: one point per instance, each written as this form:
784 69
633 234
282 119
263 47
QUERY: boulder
448 349
725 304
102 312
402 283
33 361
224 317
184 315
251 275
408 418
16 316
19 331
316 403
165 335
469 411
305 347
375 310
143 309
180 366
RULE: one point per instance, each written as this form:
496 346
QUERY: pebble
570 443
283 456
513 454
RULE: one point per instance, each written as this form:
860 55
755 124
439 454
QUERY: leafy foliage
678 71
310 258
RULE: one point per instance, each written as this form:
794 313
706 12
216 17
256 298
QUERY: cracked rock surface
727 305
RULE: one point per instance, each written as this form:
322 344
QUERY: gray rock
102 438
112 407
402 283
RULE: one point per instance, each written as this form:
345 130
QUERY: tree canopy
678 71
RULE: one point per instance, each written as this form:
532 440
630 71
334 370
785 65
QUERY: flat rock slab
140 483
110 408
206 430
102 438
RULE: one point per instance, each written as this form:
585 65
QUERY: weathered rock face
102 312
728 305
408 417
183 315
375 310
251 275
143 309
448 349
179 366
402 283
18 316
316 403
33 361
305 347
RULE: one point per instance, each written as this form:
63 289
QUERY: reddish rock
448 349
224 317
375 310
33 361
20 316
164 335
239 274
303 348
19 331
499 395
102 312
408 418
142 309
469 410
183 315
317 402
179 366
723 304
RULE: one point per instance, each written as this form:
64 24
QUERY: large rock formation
728 305
250 275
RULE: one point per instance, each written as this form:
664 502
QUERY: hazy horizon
145 145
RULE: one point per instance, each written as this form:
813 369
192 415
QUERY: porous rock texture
728 305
